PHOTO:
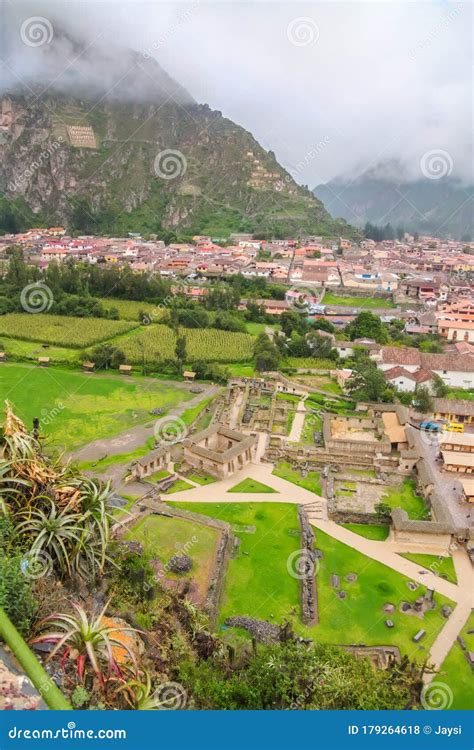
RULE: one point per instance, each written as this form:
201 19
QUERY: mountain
104 140
440 207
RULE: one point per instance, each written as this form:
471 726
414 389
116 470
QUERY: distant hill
441 207
86 144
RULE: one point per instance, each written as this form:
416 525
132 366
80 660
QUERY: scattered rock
263 631
412 585
462 643
389 623
342 594
351 577
446 610
419 636
389 607
335 581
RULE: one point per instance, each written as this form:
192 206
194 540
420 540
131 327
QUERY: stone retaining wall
309 594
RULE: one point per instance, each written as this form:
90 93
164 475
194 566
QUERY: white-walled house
454 370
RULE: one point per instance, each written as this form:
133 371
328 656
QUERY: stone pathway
298 422
386 552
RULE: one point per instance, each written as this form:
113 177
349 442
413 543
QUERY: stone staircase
316 511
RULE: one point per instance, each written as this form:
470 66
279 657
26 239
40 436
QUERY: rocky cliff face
103 139
140 166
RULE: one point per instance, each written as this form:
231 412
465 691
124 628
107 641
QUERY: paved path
386 552
137 436
298 422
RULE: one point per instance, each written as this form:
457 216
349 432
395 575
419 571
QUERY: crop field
210 344
130 310
60 330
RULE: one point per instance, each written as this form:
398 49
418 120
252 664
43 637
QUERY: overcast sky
331 87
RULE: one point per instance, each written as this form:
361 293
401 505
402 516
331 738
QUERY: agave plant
138 691
56 533
89 636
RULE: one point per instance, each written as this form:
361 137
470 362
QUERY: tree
422 400
382 511
440 388
367 325
106 355
267 354
367 382
180 349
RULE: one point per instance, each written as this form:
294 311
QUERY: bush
16 596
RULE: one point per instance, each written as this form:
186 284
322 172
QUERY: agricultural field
23 350
211 344
130 309
373 303
60 330
75 408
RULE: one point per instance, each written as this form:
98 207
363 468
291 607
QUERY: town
302 405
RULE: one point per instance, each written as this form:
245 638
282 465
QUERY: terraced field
60 330
158 342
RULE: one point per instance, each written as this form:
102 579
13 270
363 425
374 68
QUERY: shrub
16 596
180 564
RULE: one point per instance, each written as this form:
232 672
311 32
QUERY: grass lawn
359 618
158 475
178 486
75 408
251 485
312 423
33 350
288 397
370 531
310 482
201 478
257 581
241 370
443 566
163 537
457 673
461 393
118 458
308 363
364 302
405 497
190 415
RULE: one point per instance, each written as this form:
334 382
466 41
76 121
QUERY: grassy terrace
369 531
163 537
406 497
373 303
310 482
457 673
442 566
76 408
251 485
258 583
